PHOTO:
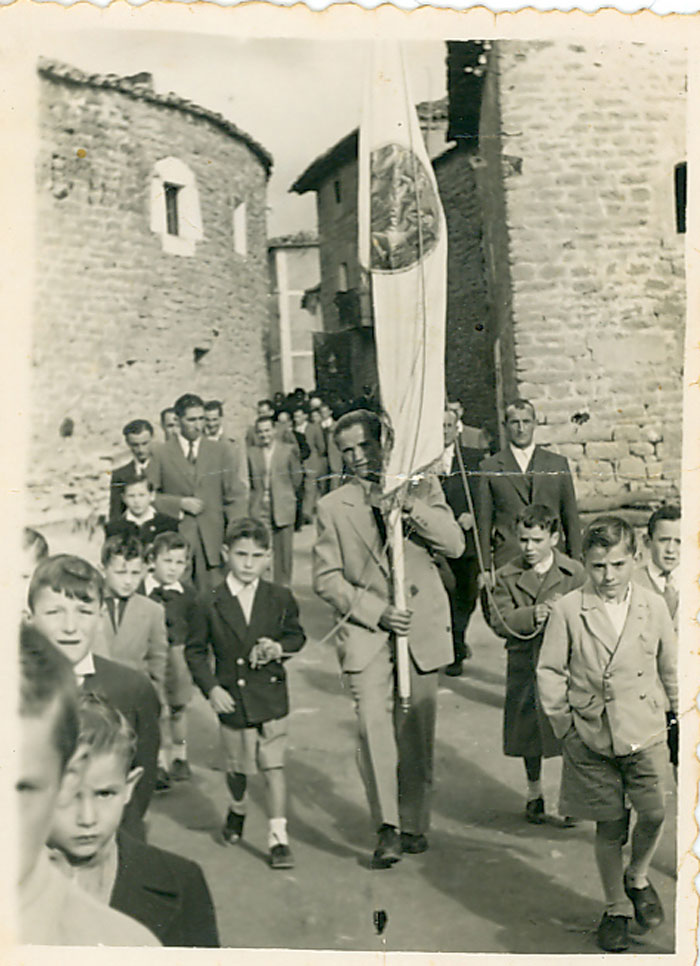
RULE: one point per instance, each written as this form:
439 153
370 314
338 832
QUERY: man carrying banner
352 571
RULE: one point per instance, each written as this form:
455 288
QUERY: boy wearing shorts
250 625
608 664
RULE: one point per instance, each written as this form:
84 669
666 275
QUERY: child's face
169 565
123 576
86 822
138 498
610 569
68 622
247 560
665 545
39 780
536 543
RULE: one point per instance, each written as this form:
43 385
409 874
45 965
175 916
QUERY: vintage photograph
350 559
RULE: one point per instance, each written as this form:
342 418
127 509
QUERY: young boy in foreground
250 624
107 862
524 593
52 910
607 663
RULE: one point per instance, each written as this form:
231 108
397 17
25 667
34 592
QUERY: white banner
403 245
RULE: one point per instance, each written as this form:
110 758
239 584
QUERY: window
175 212
171 216
681 195
337 192
240 229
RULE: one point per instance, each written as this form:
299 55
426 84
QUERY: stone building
563 194
294 277
152 274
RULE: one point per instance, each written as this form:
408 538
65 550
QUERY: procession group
194 591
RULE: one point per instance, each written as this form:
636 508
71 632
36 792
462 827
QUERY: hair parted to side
103 730
164 542
671 511
66 574
47 683
607 531
187 401
137 426
214 406
360 417
248 528
122 545
139 478
519 404
538 515
35 541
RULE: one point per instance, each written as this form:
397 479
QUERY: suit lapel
515 475
180 462
231 612
362 521
637 618
597 621
260 611
529 583
538 469
141 890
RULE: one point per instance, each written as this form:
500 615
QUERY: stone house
564 198
152 273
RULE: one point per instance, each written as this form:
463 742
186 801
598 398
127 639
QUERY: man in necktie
352 573
663 542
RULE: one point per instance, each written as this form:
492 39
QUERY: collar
185 445
146 518
544 566
617 603
236 586
659 576
327 423
85 666
217 436
522 453
150 584
302 428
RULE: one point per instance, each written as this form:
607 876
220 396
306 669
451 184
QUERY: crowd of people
194 591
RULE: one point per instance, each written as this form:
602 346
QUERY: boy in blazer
65 602
352 573
140 519
518 608
519 475
164 892
607 666
250 625
199 481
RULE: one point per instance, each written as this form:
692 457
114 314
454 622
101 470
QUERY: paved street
489 883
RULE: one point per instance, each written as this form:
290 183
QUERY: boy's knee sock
533 770
645 838
278 832
180 750
237 784
609 841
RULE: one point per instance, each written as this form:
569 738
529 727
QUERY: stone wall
579 143
122 327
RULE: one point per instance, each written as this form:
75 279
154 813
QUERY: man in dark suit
138 435
520 475
465 569
198 480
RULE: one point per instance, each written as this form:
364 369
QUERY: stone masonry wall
589 136
117 319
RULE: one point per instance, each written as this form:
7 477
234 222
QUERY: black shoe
281 857
180 770
648 910
534 811
413 844
233 827
162 779
388 850
455 669
613 933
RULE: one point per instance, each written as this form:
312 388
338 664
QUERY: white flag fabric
403 245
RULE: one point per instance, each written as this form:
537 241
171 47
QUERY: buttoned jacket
140 640
352 573
612 691
286 476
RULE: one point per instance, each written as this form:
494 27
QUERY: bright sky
296 97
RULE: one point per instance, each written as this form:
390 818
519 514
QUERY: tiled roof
140 87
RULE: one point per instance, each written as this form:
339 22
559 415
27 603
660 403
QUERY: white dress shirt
544 566
148 515
84 667
150 583
617 611
659 577
446 460
185 444
522 456
244 592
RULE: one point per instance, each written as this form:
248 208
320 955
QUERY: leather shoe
281 857
413 844
648 910
454 670
613 933
162 779
534 811
233 827
388 850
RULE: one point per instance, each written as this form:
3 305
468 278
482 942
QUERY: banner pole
403 673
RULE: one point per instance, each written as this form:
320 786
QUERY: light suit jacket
214 478
611 691
351 572
286 476
141 640
642 577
